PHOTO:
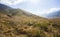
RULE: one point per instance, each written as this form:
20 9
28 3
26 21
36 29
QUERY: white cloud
5 2
53 10
46 11
34 1
11 2
14 2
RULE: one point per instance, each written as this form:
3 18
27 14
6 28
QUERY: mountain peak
3 6
55 14
4 9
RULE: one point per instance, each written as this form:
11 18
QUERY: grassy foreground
27 26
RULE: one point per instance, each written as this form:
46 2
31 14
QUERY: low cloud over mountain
55 14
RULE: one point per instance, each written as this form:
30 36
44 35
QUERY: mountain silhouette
11 11
5 9
2 6
55 14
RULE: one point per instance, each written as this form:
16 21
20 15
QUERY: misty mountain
55 14
11 11
4 9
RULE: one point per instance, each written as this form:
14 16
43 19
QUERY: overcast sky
38 7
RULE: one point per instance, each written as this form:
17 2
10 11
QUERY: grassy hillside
55 20
27 26
20 23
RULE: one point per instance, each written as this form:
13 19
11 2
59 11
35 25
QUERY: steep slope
19 23
4 9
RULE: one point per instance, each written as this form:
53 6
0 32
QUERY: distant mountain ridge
55 14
